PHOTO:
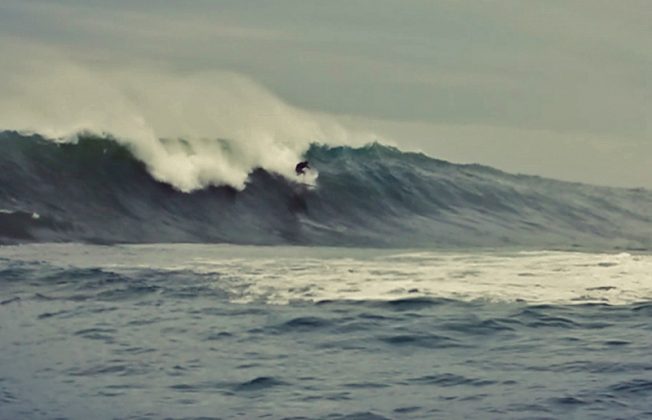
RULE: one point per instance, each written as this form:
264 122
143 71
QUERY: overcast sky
555 88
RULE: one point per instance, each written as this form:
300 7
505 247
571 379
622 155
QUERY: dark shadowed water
179 331
96 190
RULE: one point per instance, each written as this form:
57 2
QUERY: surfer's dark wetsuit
301 167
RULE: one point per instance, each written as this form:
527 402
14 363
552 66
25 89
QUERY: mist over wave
167 120
98 190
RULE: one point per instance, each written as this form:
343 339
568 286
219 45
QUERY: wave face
95 190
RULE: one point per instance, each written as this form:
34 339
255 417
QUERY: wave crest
98 190
60 100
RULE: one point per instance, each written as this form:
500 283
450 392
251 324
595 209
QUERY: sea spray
191 130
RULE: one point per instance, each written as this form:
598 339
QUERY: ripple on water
480 327
416 303
305 323
599 367
450 379
366 415
114 368
10 300
568 401
258 384
634 386
420 340
104 334
6 396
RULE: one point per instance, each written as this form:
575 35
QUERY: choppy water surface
185 331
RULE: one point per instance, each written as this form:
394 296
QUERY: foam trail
191 130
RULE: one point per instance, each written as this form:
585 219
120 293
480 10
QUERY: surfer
301 167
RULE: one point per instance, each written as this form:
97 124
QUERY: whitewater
159 258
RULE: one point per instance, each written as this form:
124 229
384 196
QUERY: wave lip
97 190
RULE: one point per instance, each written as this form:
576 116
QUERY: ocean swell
96 190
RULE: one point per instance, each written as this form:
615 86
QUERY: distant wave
96 190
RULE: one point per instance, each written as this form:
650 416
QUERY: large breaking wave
96 190
139 107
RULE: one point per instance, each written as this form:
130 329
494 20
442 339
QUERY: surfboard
308 178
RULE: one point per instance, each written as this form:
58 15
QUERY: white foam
279 275
140 107
556 278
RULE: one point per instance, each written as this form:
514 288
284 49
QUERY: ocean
223 331
390 286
